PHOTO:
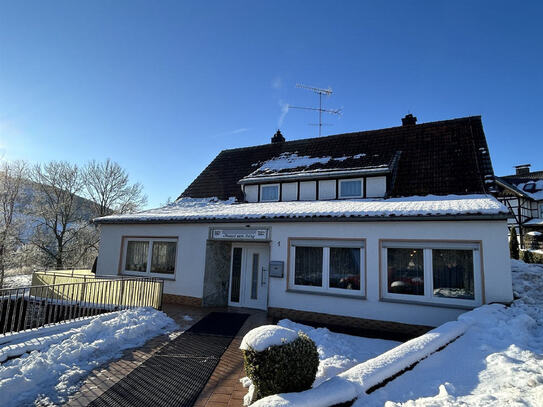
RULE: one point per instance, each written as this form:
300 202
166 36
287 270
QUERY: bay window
151 256
435 272
327 266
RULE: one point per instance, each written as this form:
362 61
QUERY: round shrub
291 367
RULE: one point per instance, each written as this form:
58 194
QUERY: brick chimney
278 137
522 169
409 120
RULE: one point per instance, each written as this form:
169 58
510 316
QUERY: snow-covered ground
497 362
18 280
57 358
337 352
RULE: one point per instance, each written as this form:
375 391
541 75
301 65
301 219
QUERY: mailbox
276 269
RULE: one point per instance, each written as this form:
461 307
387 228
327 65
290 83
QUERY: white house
386 229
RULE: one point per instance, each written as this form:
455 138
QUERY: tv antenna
320 92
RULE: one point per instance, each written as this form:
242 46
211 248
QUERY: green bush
527 256
282 369
531 257
513 244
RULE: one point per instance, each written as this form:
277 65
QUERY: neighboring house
522 193
391 229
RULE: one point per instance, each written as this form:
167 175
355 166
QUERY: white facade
188 280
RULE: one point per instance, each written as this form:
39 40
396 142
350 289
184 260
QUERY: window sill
327 294
430 304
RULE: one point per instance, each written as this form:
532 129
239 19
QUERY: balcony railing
62 296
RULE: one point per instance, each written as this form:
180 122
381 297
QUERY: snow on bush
55 364
282 365
263 337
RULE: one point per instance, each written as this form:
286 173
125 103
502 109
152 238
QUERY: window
541 211
436 272
236 275
327 266
351 188
150 256
269 193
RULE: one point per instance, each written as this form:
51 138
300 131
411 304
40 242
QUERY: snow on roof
192 209
535 221
290 161
261 338
536 193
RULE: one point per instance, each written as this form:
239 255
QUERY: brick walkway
223 389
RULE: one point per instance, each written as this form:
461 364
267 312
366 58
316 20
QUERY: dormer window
351 188
269 193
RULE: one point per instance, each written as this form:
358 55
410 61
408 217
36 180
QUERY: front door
249 276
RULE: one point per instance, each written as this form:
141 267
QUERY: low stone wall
393 329
181 300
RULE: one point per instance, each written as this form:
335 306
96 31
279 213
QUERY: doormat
177 373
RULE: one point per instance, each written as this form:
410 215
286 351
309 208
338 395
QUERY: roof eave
461 217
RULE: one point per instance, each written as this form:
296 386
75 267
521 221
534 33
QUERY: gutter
313 175
440 218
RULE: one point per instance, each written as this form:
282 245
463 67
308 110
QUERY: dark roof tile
445 157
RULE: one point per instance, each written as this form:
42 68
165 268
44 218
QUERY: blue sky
162 87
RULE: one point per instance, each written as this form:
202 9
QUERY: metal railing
41 304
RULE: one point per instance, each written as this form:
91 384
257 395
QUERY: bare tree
58 213
109 188
12 180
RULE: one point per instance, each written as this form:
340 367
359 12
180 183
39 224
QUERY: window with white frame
154 256
541 211
351 188
328 266
439 272
269 193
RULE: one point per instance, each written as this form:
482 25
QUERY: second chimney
522 169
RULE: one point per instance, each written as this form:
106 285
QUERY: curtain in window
270 193
351 188
308 266
345 268
405 271
136 256
163 258
453 273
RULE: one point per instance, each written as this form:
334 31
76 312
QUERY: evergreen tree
513 244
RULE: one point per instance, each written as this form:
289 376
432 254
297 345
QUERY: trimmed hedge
282 369
531 257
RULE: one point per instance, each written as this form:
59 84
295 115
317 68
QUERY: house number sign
239 234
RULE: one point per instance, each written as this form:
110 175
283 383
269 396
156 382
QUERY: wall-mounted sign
239 234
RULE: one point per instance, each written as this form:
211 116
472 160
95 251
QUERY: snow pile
261 338
188 209
56 360
19 280
339 352
497 361
350 384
